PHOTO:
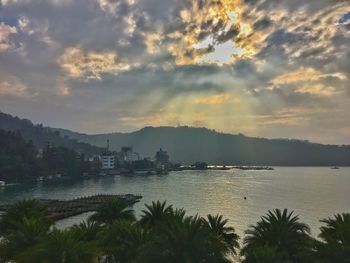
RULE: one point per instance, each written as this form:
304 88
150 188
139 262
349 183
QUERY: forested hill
188 145
41 135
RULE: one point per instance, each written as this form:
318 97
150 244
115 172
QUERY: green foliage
281 231
16 214
155 213
40 135
225 234
64 246
179 238
166 235
125 241
335 236
113 210
63 161
87 230
23 226
17 157
23 239
263 254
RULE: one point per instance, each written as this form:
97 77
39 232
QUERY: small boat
2 183
335 168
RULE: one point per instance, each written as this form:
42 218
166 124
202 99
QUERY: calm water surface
314 193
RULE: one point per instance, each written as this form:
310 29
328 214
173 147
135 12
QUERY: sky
266 68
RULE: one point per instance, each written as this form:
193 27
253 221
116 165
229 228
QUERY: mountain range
188 145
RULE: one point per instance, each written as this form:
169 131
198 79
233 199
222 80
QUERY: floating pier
61 209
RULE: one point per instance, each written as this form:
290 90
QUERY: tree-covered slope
41 135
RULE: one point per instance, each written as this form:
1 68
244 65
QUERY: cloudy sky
269 68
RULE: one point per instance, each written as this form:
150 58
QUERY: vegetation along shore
112 234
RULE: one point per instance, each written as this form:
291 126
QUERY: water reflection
314 193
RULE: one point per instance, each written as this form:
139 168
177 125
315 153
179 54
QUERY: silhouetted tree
335 236
279 230
113 210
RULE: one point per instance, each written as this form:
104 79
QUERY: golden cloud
163 119
157 119
221 22
222 31
304 75
317 89
152 42
12 88
213 100
90 65
5 32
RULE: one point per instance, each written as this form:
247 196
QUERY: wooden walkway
60 209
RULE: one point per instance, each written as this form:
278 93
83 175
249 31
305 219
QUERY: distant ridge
41 135
188 145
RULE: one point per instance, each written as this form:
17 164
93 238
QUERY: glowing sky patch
222 54
213 100
90 65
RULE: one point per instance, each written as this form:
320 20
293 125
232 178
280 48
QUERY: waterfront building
108 161
162 157
129 155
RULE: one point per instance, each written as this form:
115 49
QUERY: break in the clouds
272 68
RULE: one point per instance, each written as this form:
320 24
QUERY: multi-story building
162 157
108 161
129 155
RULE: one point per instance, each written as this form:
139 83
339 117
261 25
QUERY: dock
61 209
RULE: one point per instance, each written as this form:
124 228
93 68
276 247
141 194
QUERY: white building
132 156
108 161
129 155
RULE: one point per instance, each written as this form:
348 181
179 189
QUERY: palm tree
179 214
64 246
125 241
25 209
263 254
335 236
21 240
87 230
155 213
225 234
187 240
278 230
112 210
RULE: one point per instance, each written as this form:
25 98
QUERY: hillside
187 145
41 135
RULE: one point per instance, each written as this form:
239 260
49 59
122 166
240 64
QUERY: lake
312 192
